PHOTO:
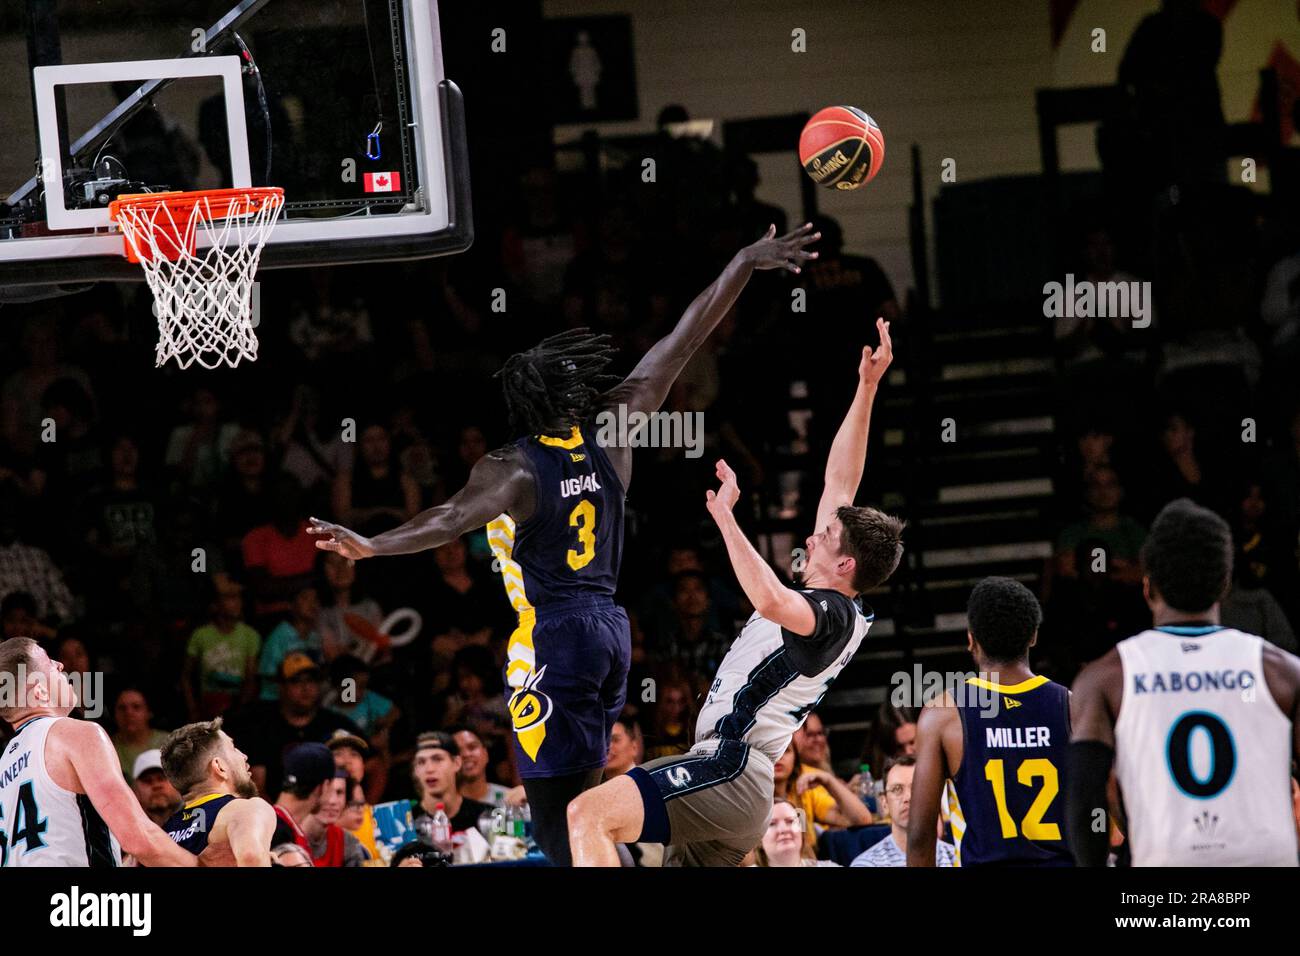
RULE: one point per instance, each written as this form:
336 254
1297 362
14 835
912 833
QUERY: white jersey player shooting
711 805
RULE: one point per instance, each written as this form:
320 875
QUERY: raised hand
876 361
788 252
340 539
724 499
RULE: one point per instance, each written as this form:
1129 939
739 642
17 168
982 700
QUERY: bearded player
220 801
553 505
711 805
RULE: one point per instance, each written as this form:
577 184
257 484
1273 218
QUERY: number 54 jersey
1203 752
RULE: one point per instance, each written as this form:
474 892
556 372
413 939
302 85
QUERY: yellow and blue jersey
567 660
190 825
1010 786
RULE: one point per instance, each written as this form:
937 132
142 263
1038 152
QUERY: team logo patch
1206 823
679 777
529 711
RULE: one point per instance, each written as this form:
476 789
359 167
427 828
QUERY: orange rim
219 201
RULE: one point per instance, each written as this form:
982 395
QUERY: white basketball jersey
1203 752
771 680
41 824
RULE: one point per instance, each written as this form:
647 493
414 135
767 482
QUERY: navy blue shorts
564 705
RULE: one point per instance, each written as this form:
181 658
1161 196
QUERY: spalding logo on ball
841 147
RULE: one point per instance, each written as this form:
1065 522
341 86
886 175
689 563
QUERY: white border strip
46 78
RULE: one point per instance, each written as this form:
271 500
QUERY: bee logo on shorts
529 710
679 776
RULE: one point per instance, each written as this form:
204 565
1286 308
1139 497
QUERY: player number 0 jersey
1203 752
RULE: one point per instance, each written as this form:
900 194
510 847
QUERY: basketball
841 147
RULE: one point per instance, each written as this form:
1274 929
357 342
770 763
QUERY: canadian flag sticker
383 182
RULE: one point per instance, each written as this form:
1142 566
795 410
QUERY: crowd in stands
153 525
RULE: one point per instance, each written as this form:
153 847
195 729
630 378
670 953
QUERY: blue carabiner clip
372 142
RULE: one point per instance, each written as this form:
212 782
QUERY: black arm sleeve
1089 769
836 619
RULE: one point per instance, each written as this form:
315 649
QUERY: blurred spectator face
340 573
60 413
74 657
468 682
435 770
206 406
333 800
1253 505
1178 435
351 760
450 557
683 559
1103 492
354 813
622 751
812 742
230 600
783 840
905 740
782 769
248 455
898 795
473 755
1094 447
306 605
691 597
672 704
131 712
155 792
375 446
125 457
472 445
301 695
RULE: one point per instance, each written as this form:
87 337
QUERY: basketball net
203 298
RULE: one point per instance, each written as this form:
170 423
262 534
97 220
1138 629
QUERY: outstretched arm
927 781
499 482
1092 754
849 450
770 597
647 387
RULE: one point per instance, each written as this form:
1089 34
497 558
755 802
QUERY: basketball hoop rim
219 201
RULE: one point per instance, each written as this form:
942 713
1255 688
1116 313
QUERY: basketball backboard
342 103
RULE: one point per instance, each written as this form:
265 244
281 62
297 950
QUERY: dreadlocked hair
557 381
